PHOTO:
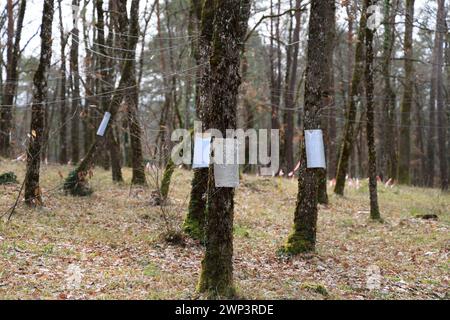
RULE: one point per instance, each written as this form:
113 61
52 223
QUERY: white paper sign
202 152
226 163
315 151
104 124
226 175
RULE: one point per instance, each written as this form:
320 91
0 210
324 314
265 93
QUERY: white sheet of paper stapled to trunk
315 151
104 124
202 152
226 163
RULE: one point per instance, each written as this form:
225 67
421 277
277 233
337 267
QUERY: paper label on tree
315 150
104 124
226 163
202 152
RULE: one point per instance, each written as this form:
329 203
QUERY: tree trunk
231 21
328 124
274 89
420 144
75 85
442 115
447 110
322 15
10 89
291 85
162 138
388 154
110 152
63 156
355 90
32 188
195 218
132 99
406 107
90 65
370 129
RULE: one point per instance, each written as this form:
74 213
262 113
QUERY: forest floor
109 245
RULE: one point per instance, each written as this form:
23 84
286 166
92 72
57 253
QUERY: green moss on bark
194 224
298 243
194 228
167 177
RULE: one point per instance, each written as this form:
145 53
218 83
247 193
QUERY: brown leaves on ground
110 246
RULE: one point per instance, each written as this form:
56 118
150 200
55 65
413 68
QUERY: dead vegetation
113 244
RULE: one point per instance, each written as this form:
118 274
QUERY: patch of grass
48 249
151 270
315 287
241 231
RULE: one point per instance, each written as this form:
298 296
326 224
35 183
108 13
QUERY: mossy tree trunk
10 88
370 129
348 136
166 179
32 188
230 24
406 105
204 13
322 15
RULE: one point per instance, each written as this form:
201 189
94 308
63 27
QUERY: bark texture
231 21
322 14
10 87
406 106
370 128
204 12
389 153
442 115
132 99
75 85
348 136
32 189
63 152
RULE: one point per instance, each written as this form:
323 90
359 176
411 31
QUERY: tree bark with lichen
203 15
216 279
